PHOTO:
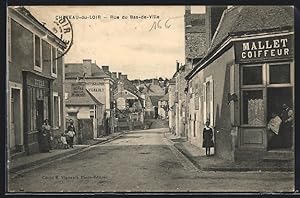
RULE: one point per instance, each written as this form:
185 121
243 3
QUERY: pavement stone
24 162
214 163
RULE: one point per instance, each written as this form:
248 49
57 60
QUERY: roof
153 90
26 13
73 70
154 100
88 99
194 23
165 98
242 20
252 19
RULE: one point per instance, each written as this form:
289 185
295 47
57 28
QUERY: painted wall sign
78 89
263 49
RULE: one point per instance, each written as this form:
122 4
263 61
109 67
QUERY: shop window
252 75
279 73
53 61
56 110
253 108
37 53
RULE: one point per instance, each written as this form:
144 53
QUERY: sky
140 48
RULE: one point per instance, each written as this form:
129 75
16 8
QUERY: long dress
44 138
207 138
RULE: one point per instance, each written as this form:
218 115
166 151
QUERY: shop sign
95 86
78 89
263 49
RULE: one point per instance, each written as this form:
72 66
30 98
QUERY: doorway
15 121
39 113
283 137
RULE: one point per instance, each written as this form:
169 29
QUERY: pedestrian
45 140
286 129
71 133
63 139
273 130
207 138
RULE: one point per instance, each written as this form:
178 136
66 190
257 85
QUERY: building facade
99 83
36 81
245 77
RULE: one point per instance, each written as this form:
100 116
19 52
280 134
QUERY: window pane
280 73
37 51
252 75
253 108
208 99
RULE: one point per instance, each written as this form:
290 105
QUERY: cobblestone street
141 161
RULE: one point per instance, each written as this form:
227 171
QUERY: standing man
287 117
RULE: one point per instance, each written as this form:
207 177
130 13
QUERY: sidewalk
213 163
24 162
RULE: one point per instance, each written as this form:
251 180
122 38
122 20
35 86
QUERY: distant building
35 81
163 106
129 103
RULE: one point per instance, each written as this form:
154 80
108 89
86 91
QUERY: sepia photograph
155 99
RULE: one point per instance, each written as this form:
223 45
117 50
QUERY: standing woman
207 138
45 137
71 133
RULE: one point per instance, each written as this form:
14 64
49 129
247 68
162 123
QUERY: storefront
37 106
266 75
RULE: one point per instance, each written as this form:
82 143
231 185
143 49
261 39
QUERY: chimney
212 20
87 67
177 65
155 81
187 9
114 75
123 77
105 68
119 75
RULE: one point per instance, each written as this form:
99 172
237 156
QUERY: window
53 61
279 73
56 110
37 53
252 75
253 108
208 101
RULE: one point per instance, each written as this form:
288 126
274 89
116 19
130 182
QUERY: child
64 140
207 138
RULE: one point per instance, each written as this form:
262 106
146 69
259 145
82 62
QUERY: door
39 113
15 119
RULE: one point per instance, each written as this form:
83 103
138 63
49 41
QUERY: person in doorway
273 130
45 141
71 133
286 130
207 138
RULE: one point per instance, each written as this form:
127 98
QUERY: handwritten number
156 24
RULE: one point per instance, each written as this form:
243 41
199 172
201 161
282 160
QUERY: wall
219 69
22 51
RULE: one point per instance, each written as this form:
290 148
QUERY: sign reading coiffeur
264 49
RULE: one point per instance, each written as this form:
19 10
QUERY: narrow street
141 161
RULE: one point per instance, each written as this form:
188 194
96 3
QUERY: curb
230 169
45 161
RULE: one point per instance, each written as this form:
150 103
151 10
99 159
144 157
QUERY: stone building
245 76
35 81
99 82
